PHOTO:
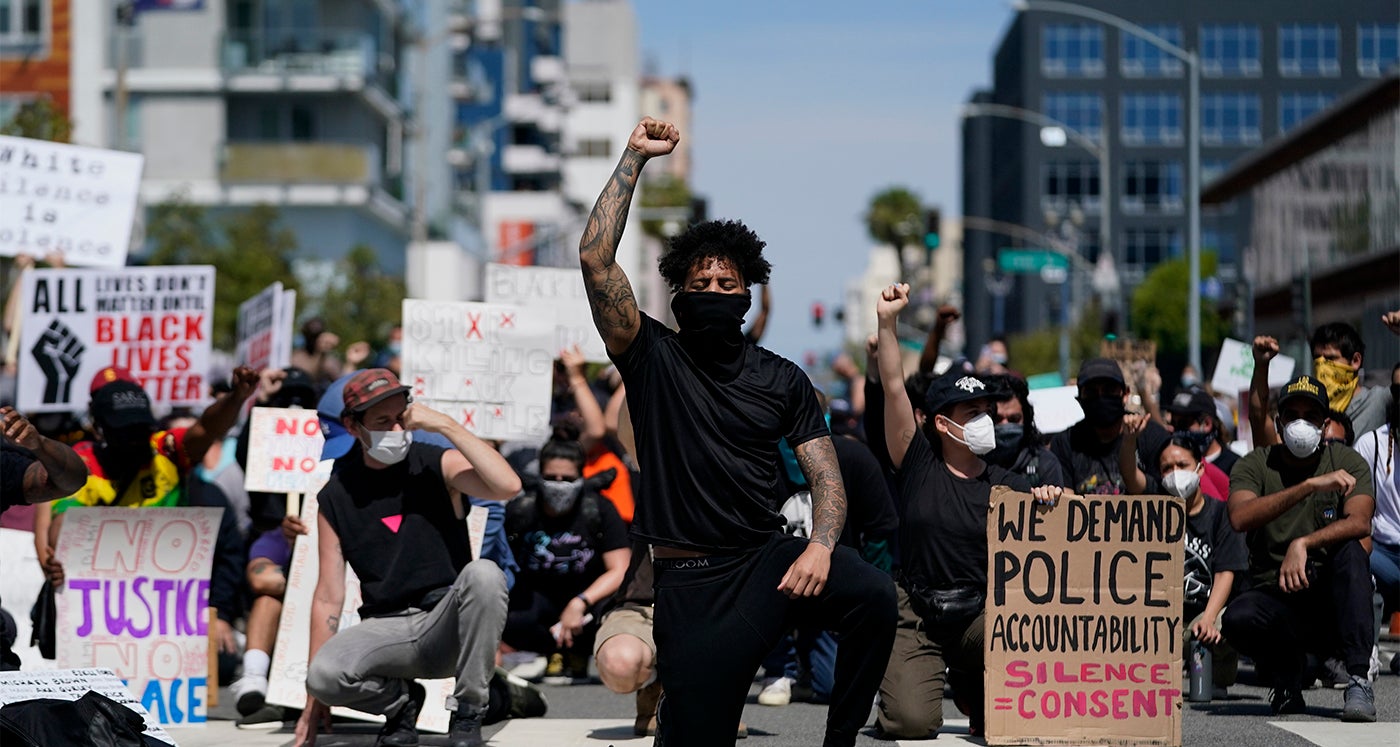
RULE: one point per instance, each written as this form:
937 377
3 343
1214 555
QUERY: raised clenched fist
652 138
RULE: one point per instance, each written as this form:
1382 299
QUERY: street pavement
591 716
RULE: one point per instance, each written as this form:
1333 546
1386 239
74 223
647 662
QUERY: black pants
1332 617
717 617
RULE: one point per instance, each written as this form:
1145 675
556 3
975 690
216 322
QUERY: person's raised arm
594 426
473 467
899 413
1134 481
1260 425
947 314
57 471
221 415
326 603
610 294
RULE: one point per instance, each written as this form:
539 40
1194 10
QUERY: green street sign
1030 260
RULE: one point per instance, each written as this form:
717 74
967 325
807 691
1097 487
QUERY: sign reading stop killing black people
1083 623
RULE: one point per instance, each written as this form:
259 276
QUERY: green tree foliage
41 120
663 192
895 218
1039 351
1159 307
362 302
249 249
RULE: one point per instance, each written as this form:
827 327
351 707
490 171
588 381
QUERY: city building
35 54
668 99
1325 223
294 104
1265 67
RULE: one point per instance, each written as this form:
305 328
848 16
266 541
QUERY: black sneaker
1359 701
267 717
1286 699
465 730
525 700
400 730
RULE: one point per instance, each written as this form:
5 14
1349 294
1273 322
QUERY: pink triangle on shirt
393 522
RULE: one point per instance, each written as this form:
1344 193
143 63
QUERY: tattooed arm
609 291
326 602
806 577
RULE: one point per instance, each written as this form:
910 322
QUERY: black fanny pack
955 606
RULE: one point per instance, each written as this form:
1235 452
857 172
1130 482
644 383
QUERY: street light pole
1193 150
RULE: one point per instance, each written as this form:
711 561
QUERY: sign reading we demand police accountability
153 321
1083 620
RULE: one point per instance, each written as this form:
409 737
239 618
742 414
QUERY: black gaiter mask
712 329
1102 412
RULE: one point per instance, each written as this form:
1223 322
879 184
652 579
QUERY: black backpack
522 514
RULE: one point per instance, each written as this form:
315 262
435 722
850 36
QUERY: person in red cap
430 609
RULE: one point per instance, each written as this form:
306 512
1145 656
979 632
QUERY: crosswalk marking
1334 734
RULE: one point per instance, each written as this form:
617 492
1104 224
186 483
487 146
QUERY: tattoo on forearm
817 458
333 622
610 294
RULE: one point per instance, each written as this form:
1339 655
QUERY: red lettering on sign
475 329
507 320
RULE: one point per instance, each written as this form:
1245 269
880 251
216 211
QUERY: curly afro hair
726 240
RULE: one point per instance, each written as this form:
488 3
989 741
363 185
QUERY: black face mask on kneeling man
711 329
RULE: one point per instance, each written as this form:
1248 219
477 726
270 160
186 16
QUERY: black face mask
1102 412
123 453
712 328
1009 437
1200 439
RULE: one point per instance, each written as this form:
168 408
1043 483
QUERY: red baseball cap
370 387
109 375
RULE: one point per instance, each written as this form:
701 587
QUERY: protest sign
1083 620
287 676
1056 408
72 684
19 587
134 600
489 366
1235 367
284 451
67 199
153 321
264 336
552 287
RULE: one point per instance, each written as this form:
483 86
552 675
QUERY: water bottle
1201 679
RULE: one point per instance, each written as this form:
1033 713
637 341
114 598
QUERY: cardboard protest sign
135 599
264 336
489 366
1235 367
67 199
72 684
1083 620
284 451
287 676
552 287
153 321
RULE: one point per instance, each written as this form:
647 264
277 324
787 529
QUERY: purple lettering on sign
85 586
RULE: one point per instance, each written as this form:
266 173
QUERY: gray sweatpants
367 667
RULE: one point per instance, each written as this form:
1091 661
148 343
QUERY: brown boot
647 700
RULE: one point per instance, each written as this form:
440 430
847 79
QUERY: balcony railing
295 52
300 163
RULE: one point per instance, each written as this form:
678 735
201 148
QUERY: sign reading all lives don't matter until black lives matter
1083 621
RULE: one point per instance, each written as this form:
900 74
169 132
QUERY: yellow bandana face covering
1340 381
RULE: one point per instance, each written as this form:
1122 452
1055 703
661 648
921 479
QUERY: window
1143 59
1230 50
1220 242
1308 49
23 27
1063 182
1377 47
1230 119
599 148
1151 186
593 92
1151 118
1296 107
1071 50
1144 248
1081 112
303 123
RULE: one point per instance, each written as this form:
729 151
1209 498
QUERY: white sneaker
777 691
249 693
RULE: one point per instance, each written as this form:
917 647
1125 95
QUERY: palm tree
895 218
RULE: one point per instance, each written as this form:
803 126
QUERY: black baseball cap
958 386
1100 368
1192 402
1305 387
297 389
121 404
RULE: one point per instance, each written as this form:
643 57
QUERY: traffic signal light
933 222
818 314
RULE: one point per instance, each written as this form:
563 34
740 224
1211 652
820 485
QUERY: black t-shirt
1091 467
396 526
560 556
1212 546
708 448
870 513
943 531
14 461
1225 460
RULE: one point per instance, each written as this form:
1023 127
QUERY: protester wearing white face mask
943 491
1305 505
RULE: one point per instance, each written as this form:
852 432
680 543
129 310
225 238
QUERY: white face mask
1181 483
980 434
1301 437
389 447
560 495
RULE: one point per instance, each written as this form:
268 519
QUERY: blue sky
804 110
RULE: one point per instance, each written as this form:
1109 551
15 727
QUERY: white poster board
72 684
67 199
154 321
284 451
264 337
19 587
488 366
1056 408
1235 367
135 599
553 287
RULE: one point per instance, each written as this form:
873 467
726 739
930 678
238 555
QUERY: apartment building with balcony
35 53
295 103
